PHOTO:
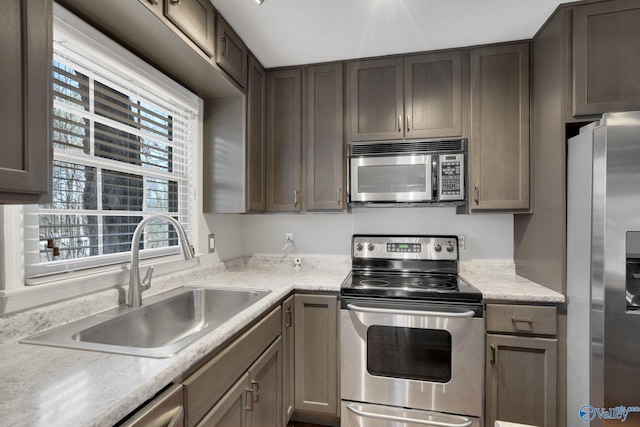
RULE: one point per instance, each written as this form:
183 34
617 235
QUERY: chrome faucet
136 286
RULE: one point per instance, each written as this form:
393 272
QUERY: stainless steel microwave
419 172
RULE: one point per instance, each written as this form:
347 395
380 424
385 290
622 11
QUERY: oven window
392 179
409 353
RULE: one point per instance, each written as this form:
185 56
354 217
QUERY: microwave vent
407 147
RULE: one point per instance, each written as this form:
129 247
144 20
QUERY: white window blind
122 151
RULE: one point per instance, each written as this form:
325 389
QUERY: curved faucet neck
134 298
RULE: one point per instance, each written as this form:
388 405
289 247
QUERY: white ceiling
295 32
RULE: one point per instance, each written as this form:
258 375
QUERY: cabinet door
288 347
323 141
266 381
433 95
375 99
499 146
521 380
25 111
606 42
231 52
316 354
284 140
233 408
195 18
256 103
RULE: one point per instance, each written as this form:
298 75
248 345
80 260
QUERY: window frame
15 294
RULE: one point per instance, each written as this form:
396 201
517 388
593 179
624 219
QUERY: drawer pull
257 390
288 316
177 418
249 406
517 321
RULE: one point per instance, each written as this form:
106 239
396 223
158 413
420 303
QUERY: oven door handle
466 423
466 313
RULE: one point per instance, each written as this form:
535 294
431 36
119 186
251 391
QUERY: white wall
486 236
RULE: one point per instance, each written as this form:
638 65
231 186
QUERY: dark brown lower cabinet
316 354
521 380
288 355
242 385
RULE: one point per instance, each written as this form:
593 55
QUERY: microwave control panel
451 177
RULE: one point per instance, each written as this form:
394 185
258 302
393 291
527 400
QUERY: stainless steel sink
164 325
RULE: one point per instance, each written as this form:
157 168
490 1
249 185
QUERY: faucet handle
146 282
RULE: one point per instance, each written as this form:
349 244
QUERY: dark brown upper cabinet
606 43
26 40
375 99
499 143
231 52
256 102
433 95
417 96
284 140
323 137
196 19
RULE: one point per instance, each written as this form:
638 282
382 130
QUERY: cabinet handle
295 197
225 40
249 406
339 191
175 2
177 418
288 318
528 321
493 354
408 121
257 395
476 194
153 2
399 123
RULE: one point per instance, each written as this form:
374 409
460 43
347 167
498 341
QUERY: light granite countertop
47 386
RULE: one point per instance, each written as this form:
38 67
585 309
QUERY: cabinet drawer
521 319
207 385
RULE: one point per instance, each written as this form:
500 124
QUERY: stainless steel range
411 335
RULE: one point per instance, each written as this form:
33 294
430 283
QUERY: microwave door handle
466 423
360 309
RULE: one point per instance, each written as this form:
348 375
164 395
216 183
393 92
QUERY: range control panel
405 247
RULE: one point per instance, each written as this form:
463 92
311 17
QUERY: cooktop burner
415 282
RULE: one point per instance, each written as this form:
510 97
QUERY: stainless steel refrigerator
603 273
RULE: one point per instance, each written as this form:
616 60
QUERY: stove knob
370 247
437 247
449 248
359 247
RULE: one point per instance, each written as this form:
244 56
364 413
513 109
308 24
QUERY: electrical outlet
461 242
288 237
212 243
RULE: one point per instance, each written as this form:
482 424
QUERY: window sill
66 286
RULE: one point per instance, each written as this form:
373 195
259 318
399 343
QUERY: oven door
407 178
408 355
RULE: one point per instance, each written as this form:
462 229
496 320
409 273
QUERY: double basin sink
165 324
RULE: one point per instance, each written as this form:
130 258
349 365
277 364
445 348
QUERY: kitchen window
123 147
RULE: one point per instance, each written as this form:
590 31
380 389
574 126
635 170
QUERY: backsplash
486 236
